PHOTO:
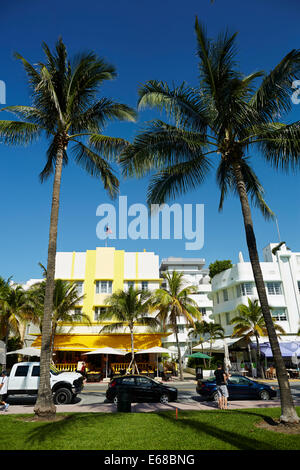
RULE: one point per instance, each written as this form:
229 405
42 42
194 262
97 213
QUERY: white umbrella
155 350
27 352
106 351
226 356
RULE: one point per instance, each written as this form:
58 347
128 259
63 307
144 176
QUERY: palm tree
214 331
198 332
65 306
174 301
67 111
15 306
250 322
128 309
224 118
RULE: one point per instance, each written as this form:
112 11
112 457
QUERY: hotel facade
281 274
99 273
194 274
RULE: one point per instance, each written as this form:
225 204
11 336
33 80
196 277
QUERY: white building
195 275
281 274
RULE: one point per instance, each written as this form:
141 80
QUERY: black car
140 389
239 387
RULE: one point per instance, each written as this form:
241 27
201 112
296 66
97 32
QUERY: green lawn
193 430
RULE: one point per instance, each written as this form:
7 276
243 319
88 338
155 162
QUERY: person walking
3 390
221 382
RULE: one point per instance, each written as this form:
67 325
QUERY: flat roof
184 261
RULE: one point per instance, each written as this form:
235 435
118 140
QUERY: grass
193 430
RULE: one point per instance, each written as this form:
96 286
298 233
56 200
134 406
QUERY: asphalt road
94 393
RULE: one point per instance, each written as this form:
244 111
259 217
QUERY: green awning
200 355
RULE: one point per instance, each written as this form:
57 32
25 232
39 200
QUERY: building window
98 312
279 314
180 328
225 295
246 288
202 310
227 316
77 312
79 287
217 297
103 287
129 284
274 288
144 285
299 286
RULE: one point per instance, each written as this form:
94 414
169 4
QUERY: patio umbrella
26 352
155 350
107 351
200 355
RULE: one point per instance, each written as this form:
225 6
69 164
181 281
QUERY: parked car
239 387
24 379
140 389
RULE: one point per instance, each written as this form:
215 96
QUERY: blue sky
144 40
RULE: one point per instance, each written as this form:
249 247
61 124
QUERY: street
94 393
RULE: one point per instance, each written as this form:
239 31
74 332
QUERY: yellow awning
90 342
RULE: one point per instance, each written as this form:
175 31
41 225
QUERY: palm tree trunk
179 352
132 362
44 406
258 359
288 412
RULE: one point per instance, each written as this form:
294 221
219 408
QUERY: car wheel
115 400
164 399
215 397
264 395
63 396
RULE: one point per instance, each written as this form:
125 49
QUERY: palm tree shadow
228 437
55 428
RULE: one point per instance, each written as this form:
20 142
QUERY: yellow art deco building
99 273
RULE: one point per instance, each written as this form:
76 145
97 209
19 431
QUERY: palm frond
18 132
96 167
273 97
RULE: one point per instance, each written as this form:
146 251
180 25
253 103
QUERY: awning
217 346
92 342
287 349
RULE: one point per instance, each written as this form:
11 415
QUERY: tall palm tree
173 302
128 309
15 306
250 322
67 111
221 121
198 332
213 331
65 306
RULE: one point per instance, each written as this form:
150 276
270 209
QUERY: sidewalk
150 407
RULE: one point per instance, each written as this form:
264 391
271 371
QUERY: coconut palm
221 122
213 331
250 322
198 332
173 302
128 309
65 306
15 306
66 109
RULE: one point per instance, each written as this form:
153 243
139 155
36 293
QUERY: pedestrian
3 390
221 382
